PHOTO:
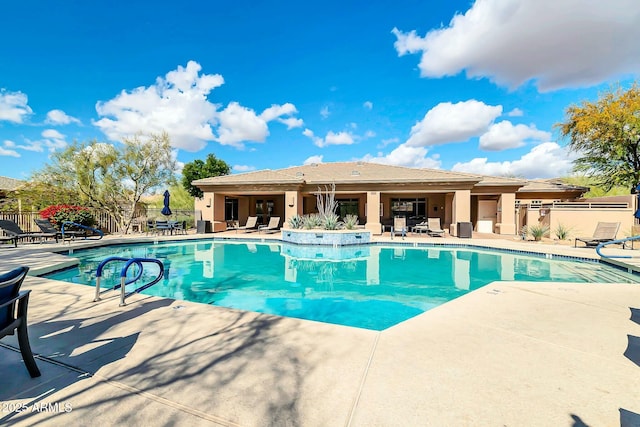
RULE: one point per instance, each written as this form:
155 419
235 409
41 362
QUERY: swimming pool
370 286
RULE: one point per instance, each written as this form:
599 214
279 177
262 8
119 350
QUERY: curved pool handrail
123 275
85 227
614 242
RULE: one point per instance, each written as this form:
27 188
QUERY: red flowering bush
58 214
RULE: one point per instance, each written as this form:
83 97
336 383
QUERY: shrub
312 221
538 231
331 222
296 221
562 232
350 221
58 214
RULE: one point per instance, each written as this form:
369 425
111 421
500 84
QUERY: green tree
198 169
605 135
113 178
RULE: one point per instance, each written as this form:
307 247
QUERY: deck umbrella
166 210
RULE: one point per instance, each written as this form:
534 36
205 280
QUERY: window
409 208
230 209
347 207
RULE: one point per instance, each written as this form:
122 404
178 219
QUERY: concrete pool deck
510 353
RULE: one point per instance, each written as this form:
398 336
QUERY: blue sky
456 85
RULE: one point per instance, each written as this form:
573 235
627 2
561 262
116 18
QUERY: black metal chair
48 228
13 314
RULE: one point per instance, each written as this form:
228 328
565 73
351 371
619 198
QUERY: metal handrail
123 276
613 242
86 227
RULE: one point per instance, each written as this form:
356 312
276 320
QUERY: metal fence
103 220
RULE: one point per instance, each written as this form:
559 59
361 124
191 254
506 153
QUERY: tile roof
9 184
352 172
554 184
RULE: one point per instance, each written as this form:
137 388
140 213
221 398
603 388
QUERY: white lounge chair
434 228
272 227
250 225
604 232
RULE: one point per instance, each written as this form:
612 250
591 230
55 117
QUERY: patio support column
373 212
507 214
292 206
217 208
461 209
205 206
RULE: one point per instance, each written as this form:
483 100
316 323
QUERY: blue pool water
372 287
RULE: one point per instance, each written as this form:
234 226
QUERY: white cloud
332 138
313 159
9 144
516 112
368 105
369 134
8 153
547 160
176 104
504 135
447 122
59 117
292 122
558 44
13 106
243 168
324 112
388 141
52 133
276 111
239 124
405 155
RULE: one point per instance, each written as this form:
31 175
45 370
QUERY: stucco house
377 193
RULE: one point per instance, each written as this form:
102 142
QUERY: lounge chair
399 227
434 228
10 238
272 227
251 225
13 314
13 230
604 232
421 227
48 228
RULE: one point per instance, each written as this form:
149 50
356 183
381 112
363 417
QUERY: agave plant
350 221
331 221
312 221
538 231
295 221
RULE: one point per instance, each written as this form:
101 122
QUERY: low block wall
327 237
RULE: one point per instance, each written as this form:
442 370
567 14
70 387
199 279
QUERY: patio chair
162 226
272 227
251 225
13 314
604 232
178 227
399 227
434 228
48 228
12 229
10 238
